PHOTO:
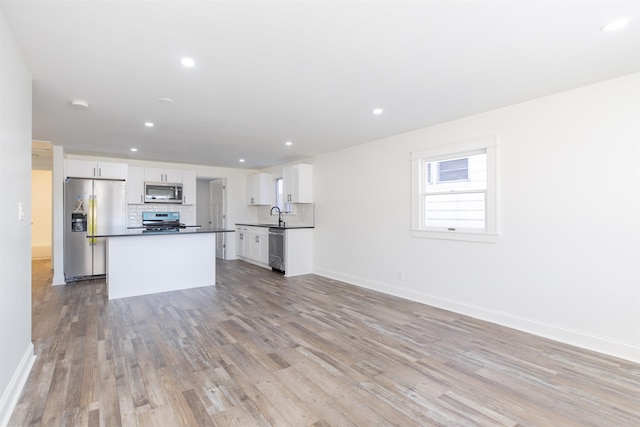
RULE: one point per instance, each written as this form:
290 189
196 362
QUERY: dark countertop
141 231
286 227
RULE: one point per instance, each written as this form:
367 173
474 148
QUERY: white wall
567 263
41 214
16 349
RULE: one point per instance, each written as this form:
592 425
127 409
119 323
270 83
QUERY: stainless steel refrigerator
91 206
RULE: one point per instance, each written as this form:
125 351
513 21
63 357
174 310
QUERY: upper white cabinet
189 187
135 186
163 175
297 182
91 169
260 189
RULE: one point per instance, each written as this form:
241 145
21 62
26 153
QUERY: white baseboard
58 279
577 338
12 393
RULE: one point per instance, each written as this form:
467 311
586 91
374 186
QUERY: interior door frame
221 238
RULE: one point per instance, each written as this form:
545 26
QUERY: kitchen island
140 262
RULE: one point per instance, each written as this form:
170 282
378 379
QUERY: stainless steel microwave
162 192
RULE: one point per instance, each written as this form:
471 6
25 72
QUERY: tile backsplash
134 213
302 214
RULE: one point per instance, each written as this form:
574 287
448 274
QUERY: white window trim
490 234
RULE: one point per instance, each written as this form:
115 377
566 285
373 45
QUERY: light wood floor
262 350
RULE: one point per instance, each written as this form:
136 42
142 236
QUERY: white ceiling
310 72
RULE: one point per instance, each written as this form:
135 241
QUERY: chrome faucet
280 221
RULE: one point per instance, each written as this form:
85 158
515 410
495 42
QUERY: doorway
41 200
218 214
211 209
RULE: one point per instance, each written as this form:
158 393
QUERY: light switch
20 211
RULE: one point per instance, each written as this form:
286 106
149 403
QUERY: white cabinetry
297 182
189 187
240 241
163 175
91 169
252 244
260 189
138 176
135 186
298 251
260 245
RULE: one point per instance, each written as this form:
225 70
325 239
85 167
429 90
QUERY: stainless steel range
159 222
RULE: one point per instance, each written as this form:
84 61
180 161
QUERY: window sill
456 235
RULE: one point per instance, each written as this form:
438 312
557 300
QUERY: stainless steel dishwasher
276 249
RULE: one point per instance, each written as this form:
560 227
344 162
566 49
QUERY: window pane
453 170
458 210
279 195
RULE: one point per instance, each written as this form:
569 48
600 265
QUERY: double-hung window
284 207
454 191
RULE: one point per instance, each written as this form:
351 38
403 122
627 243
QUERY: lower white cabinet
240 241
252 243
298 251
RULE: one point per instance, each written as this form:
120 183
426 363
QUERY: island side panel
141 265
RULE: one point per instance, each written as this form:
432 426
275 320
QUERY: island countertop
141 231
284 227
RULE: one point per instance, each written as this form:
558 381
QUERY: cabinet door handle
94 172
257 239
141 199
99 171
241 236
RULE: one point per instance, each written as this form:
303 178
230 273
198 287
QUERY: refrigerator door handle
92 220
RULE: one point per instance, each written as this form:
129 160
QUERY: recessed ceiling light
79 104
148 124
187 62
133 149
288 143
615 25
241 160
166 101
378 111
